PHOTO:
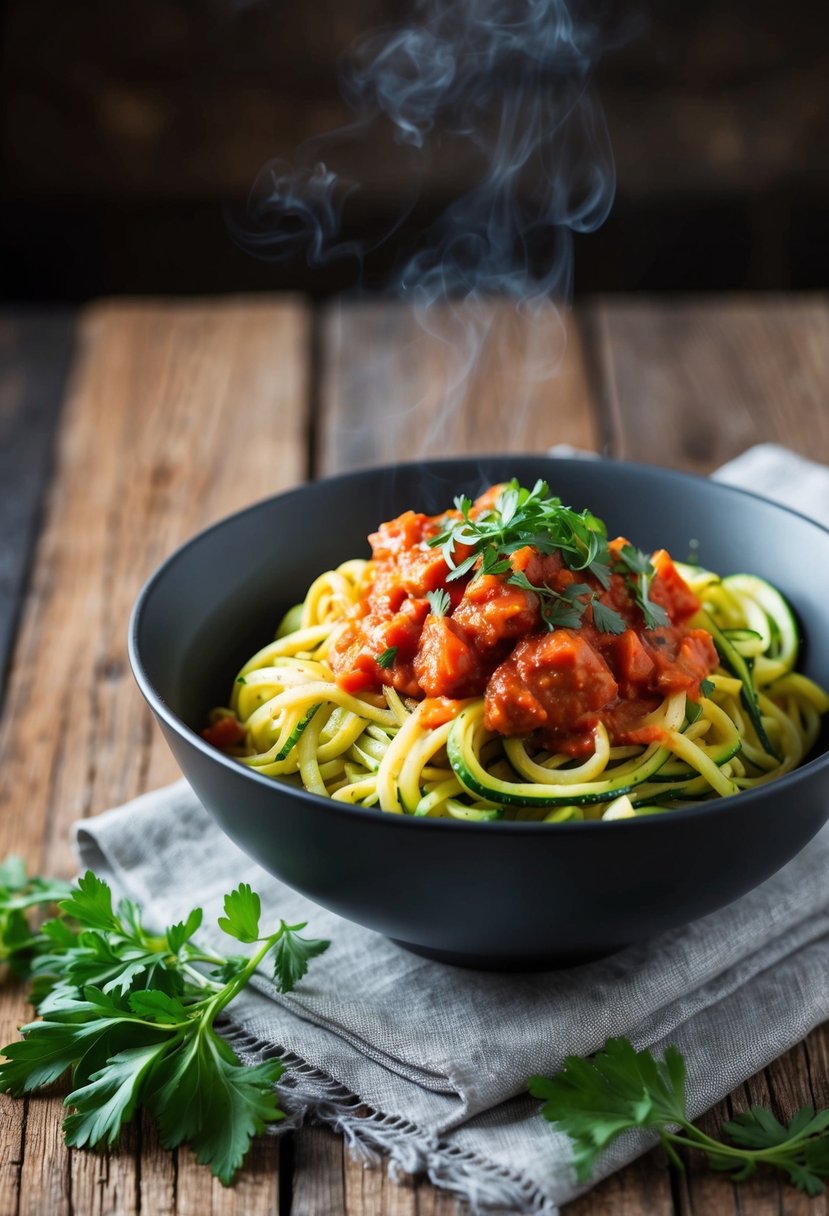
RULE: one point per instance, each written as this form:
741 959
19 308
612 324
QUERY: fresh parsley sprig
640 576
522 517
131 1016
18 894
595 1100
565 609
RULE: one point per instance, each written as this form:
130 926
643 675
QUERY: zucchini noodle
759 719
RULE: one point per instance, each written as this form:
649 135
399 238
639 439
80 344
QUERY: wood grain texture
35 350
396 388
177 414
691 384
642 1189
370 1191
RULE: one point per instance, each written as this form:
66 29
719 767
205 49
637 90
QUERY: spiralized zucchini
759 720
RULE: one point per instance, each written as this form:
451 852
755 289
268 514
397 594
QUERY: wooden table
128 426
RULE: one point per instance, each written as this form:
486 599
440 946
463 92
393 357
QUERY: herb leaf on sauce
535 517
439 602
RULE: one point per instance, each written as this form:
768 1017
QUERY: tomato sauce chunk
566 678
552 646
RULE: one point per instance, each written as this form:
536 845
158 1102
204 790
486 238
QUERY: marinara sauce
493 641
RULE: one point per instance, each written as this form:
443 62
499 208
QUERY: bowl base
554 961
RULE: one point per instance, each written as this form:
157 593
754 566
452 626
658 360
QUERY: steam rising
501 90
505 86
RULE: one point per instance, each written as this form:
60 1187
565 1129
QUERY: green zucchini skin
739 667
785 631
678 769
296 734
474 778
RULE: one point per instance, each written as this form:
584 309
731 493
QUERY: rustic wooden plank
370 1191
12 1140
318 1182
392 388
35 349
641 1189
177 414
691 383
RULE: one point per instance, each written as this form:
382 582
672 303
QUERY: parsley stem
699 1140
202 980
235 986
673 1155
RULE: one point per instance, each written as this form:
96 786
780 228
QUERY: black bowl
505 895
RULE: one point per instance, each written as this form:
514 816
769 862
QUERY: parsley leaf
18 894
559 610
641 567
565 609
242 911
439 601
386 659
595 1100
90 903
292 955
522 517
607 620
130 1015
706 687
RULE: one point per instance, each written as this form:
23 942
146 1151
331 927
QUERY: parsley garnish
534 517
18 893
565 609
388 656
606 620
524 517
641 568
131 1014
439 601
706 687
594 1101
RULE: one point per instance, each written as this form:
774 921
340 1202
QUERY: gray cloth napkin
428 1064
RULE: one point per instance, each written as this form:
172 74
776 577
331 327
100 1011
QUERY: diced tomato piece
542 569
359 671
423 570
634 664
487 500
224 733
446 663
564 675
669 589
492 609
398 534
697 658
403 630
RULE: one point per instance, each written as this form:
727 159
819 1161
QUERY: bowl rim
160 708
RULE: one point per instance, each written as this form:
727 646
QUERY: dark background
128 126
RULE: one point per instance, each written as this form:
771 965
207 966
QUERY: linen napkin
427 1064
